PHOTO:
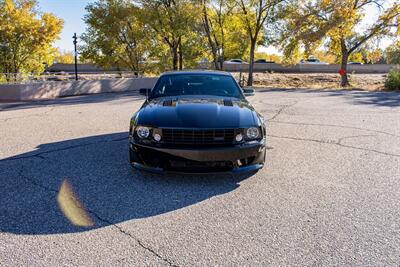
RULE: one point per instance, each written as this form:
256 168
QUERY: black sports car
197 121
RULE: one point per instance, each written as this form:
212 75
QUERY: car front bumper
238 158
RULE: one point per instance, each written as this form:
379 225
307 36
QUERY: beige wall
50 90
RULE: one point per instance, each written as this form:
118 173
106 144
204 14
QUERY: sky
73 11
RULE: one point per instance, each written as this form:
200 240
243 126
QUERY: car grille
198 136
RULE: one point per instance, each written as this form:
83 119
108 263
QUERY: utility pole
76 56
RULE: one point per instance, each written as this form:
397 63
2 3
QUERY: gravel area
369 82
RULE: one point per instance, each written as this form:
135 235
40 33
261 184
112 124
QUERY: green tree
255 14
225 31
336 23
171 21
116 34
215 21
26 37
236 43
392 53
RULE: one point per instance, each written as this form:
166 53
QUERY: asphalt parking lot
329 194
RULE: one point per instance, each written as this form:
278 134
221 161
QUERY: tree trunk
209 38
180 57
174 51
251 63
215 60
221 57
344 79
345 56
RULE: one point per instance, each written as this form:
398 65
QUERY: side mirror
145 91
248 91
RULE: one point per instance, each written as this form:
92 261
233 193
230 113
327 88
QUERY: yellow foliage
268 57
26 36
64 57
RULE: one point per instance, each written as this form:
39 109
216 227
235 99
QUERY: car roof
209 72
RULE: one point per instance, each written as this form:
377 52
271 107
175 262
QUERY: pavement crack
34 182
332 142
282 109
336 126
40 154
28 116
140 243
353 136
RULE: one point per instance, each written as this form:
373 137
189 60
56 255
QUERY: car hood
197 112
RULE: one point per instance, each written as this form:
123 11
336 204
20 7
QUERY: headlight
143 132
252 133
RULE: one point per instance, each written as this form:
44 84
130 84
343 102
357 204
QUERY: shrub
393 80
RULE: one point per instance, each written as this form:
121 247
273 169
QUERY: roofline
212 72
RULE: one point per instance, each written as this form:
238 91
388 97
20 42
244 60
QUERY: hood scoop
228 103
167 103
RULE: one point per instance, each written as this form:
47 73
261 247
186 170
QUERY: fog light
157 137
239 137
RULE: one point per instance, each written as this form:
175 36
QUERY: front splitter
238 170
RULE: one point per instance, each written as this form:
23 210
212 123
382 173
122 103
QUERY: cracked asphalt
329 194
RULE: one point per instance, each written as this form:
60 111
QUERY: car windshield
196 84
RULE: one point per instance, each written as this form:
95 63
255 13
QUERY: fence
310 68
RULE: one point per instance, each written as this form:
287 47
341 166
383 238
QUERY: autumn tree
255 15
64 57
26 37
225 31
336 23
372 55
275 58
115 36
171 21
215 19
392 53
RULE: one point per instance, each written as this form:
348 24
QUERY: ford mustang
195 122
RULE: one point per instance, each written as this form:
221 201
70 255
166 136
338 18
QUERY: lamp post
76 56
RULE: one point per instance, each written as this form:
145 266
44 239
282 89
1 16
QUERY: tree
236 43
143 35
372 56
392 53
255 13
215 18
116 35
270 57
26 37
225 31
336 22
64 57
171 20
325 56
